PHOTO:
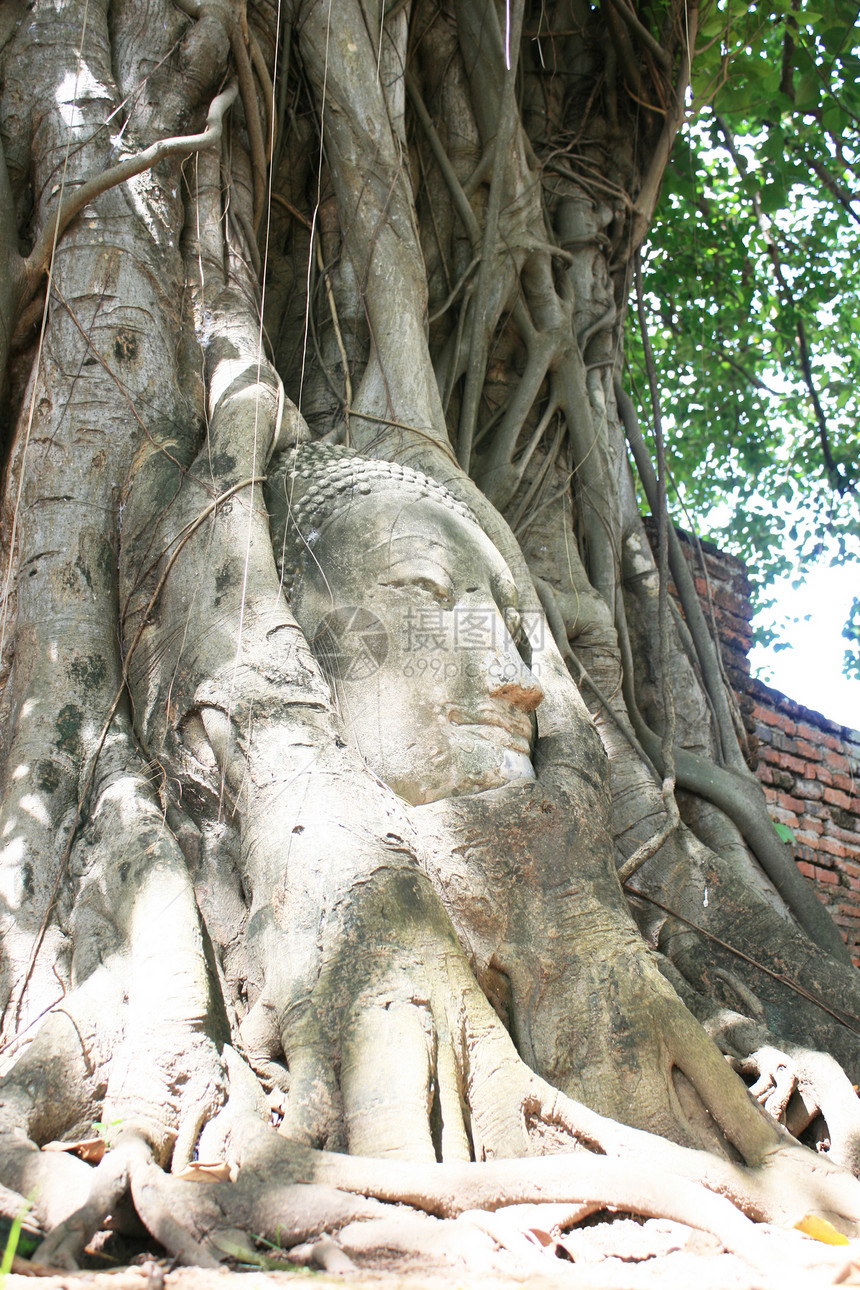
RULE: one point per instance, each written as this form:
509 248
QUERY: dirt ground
617 1255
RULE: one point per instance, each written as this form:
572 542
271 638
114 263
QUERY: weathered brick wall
810 768
809 765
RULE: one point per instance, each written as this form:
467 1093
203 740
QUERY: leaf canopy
752 277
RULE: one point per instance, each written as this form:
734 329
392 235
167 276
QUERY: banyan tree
374 827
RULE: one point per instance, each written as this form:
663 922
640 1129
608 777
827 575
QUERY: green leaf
12 1242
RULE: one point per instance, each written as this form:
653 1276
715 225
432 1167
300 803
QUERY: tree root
795 1084
110 1181
300 1199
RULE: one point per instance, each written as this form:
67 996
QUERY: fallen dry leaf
91 1150
203 1171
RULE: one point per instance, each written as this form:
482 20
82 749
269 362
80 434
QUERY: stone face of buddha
413 614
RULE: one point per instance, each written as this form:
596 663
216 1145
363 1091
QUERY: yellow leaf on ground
820 1230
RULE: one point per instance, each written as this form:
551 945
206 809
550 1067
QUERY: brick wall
810 768
809 765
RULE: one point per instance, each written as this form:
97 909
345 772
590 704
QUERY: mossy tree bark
418 225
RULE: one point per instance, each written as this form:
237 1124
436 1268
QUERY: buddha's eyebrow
423 540
420 559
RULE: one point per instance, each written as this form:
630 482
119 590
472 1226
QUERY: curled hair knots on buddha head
315 482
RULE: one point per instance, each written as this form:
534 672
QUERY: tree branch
257 145
840 485
455 188
12 276
37 262
643 209
786 76
620 40
661 55
838 191
667 745
479 341
706 649
734 789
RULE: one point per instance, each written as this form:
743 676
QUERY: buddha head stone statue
412 613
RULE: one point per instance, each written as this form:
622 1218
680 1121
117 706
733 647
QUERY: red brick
809 789
784 815
844 835
832 847
765 774
807 869
784 779
732 604
771 718
789 803
826 875
808 750
776 739
846 782
822 773
836 798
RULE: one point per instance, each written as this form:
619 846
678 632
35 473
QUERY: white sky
810 672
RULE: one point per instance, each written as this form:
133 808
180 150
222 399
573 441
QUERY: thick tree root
110 1181
293 1194
298 1198
790 1184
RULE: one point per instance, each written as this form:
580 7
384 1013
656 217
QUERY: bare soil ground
620 1254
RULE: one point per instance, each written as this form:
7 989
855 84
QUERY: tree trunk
411 232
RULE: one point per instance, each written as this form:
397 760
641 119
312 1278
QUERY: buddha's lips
514 723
